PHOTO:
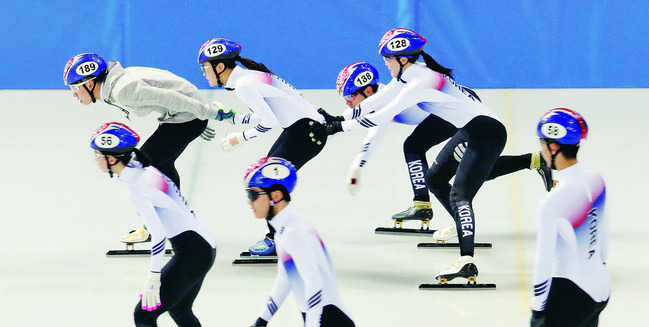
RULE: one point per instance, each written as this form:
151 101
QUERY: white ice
59 215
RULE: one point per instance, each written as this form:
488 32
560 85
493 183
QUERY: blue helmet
114 138
218 48
401 42
83 67
355 77
271 171
562 125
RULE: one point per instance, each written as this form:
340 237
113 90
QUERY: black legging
430 132
180 280
569 305
296 145
485 138
434 130
166 144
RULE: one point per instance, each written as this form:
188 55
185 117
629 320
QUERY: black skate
463 268
413 213
546 173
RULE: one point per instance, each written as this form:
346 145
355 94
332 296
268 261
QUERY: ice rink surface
59 215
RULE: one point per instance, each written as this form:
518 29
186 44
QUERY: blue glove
223 114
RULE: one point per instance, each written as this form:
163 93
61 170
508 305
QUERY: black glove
259 323
333 127
329 118
538 319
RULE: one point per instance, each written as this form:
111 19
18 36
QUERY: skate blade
450 245
110 253
255 261
468 286
247 254
403 231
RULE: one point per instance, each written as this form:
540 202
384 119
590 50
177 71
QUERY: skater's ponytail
248 63
434 65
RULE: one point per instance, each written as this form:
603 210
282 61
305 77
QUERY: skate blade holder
248 258
472 284
255 261
425 224
443 244
130 250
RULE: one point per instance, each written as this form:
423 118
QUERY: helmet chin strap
400 70
218 75
108 165
271 212
91 92
553 156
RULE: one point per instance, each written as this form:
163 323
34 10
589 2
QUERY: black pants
485 139
166 144
181 279
569 306
297 146
434 130
430 132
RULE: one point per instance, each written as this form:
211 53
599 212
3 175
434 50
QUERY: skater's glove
329 118
353 180
333 127
260 323
232 141
151 293
209 131
538 319
223 113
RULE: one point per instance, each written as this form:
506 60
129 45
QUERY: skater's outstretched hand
260 323
329 118
223 113
353 180
333 127
232 141
151 293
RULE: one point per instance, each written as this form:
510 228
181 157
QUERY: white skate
444 234
465 267
136 236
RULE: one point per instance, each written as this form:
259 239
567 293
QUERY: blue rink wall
491 44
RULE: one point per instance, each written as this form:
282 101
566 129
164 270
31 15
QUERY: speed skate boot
263 247
445 234
465 267
420 210
136 236
542 168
